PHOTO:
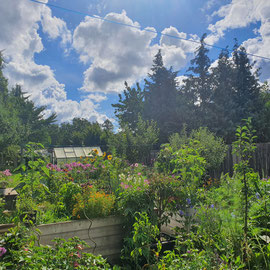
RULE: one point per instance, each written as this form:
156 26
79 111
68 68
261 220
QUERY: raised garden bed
104 235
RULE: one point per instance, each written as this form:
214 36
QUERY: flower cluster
92 203
2 251
6 173
68 167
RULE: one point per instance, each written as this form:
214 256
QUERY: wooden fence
260 161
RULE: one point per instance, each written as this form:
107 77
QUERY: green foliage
134 196
189 167
136 145
130 106
167 195
64 255
161 98
67 194
243 147
138 252
206 144
210 147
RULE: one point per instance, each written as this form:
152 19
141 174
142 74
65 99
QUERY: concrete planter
103 235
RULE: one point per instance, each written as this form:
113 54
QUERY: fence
260 161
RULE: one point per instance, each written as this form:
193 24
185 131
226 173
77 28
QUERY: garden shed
72 154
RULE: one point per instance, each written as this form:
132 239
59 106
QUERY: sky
76 62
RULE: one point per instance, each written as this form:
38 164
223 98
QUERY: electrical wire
146 29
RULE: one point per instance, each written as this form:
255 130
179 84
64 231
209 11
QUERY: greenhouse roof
75 152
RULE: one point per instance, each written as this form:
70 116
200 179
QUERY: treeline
22 122
215 96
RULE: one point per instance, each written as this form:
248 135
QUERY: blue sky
76 65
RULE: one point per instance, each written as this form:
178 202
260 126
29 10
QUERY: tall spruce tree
33 124
246 86
223 99
161 98
130 106
197 88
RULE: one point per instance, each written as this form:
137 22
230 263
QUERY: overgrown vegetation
221 223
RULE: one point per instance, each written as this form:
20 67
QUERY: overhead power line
138 27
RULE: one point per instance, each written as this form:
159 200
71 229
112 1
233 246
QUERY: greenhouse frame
71 154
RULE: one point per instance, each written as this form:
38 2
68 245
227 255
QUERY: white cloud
97 98
241 14
19 38
117 53
176 51
113 53
68 109
54 26
180 80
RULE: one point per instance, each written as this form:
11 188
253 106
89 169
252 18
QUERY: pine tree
130 106
246 85
33 125
223 99
161 98
197 89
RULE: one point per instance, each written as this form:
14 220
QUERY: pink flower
136 165
139 173
7 172
146 182
126 186
2 251
76 264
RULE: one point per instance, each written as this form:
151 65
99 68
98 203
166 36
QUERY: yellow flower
92 159
96 151
109 157
104 154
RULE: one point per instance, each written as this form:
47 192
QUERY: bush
64 255
204 142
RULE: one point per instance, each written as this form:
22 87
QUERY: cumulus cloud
177 52
118 53
20 40
113 54
240 14
54 26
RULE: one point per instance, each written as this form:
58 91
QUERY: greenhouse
71 154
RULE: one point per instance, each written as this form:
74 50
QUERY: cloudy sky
75 63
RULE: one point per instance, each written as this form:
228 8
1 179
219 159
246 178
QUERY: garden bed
103 235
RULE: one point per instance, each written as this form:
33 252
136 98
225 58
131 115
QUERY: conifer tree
223 99
160 98
197 89
130 106
246 86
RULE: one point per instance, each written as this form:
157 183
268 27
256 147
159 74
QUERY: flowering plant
4 176
92 203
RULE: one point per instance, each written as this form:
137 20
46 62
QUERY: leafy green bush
67 255
134 196
204 142
138 249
